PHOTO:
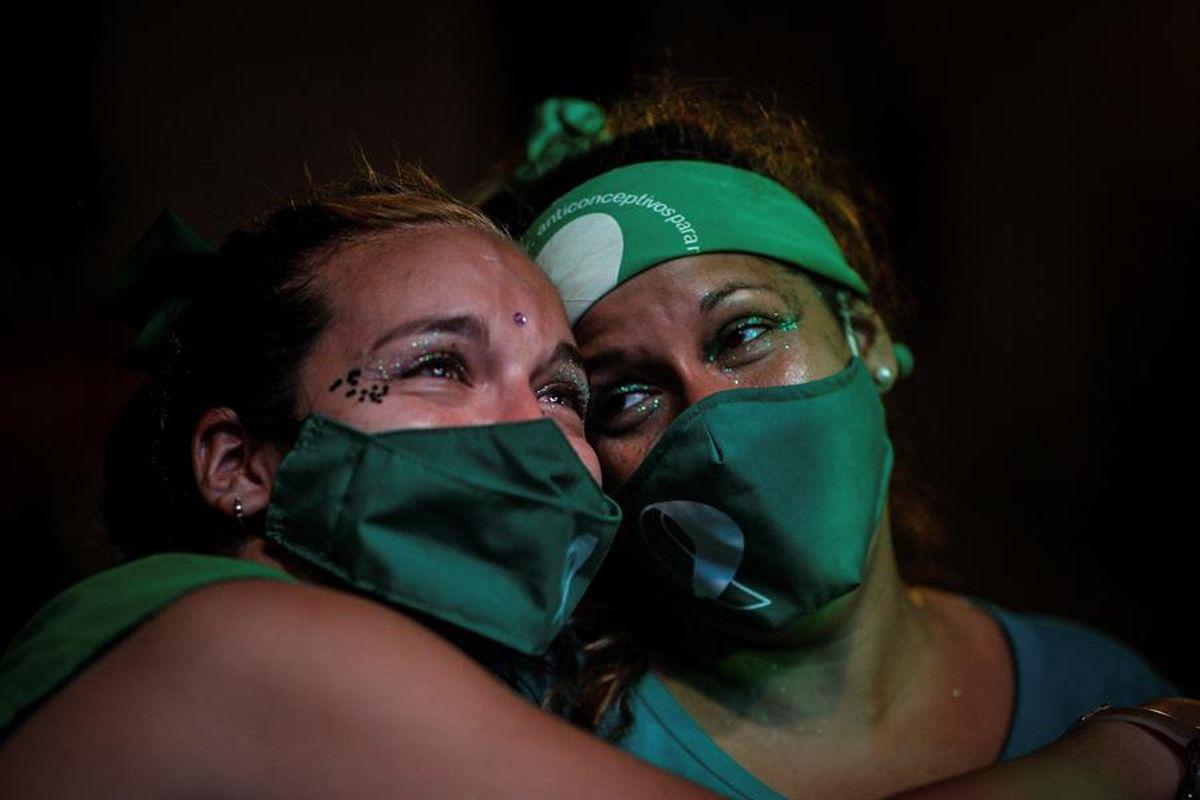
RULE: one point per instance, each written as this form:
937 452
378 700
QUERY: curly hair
669 118
248 325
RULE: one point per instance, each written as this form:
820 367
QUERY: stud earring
884 378
237 509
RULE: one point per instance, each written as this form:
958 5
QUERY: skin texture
917 683
429 316
914 682
262 690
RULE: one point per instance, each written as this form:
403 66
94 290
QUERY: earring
237 509
884 378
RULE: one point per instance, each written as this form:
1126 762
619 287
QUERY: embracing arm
1103 760
257 690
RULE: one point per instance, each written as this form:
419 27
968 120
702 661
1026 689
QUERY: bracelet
1182 736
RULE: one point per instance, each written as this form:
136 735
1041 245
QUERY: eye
622 408
569 395
440 365
746 331
745 339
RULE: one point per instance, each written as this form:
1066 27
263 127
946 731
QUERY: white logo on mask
707 537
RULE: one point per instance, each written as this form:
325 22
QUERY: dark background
1041 167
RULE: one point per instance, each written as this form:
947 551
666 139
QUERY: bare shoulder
249 689
964 618
197 694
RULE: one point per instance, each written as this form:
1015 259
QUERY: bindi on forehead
519 319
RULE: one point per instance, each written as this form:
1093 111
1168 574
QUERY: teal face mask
757 506
497 529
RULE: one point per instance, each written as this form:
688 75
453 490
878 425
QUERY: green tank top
79 625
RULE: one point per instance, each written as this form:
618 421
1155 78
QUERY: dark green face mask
756 507
497 529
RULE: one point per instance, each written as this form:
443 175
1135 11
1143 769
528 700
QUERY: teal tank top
1062 670
79 625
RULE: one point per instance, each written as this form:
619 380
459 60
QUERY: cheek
618 460
802 360
394 411
586 454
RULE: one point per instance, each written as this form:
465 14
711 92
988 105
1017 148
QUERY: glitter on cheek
789 324
519 319
648 406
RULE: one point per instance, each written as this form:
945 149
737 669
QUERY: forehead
682 287
432 270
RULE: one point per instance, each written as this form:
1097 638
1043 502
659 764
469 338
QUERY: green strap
84 621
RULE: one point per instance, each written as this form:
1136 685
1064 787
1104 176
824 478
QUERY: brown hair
249 323
676 119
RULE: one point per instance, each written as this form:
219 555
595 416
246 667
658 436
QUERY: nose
515 401
698 381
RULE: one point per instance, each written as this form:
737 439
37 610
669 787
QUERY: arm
1103 759
259 690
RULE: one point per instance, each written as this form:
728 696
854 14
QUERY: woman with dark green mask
368 403
727 299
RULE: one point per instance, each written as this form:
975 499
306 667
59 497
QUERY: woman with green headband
728 301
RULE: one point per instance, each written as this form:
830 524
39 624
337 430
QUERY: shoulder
257 688
1068 654
269 637
204 693
1063 670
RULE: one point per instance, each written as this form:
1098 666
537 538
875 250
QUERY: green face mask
757 506
497 529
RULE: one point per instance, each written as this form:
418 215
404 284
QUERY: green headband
621 223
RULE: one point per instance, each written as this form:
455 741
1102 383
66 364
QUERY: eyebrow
606 360
566 354
711 298
469 326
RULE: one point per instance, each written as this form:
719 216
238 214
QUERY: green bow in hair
155 284
563 127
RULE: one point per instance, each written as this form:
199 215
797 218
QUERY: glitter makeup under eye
646 406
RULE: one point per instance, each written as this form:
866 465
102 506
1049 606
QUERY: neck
862 658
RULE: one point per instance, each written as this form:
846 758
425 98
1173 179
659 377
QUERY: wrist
1146 752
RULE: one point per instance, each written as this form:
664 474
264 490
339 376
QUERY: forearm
1101 761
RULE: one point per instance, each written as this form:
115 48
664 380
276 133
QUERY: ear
230 466
874 344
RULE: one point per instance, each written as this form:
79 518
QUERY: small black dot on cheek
385 388
350 393
352 377
336 384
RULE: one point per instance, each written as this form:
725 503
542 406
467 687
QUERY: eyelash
445 365
721 343
610 420
576 396
719 346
